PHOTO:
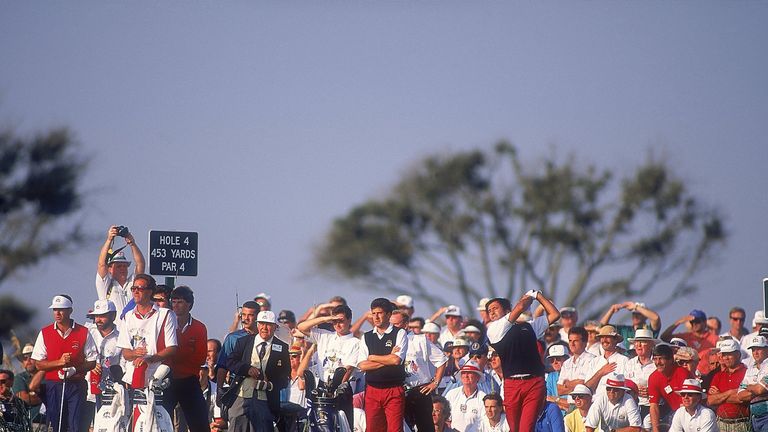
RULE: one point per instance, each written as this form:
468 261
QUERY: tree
485 225
40 198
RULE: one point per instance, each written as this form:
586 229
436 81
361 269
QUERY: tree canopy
40 199
484 224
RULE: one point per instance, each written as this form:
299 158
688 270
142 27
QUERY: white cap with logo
101 307
405 301
453 310
266 317
60 302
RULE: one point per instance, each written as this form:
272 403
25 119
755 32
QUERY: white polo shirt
639 374
703 420
333 351
575 368
466 411
610 416
501 426
621 363
422 360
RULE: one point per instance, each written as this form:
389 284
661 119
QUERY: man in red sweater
192 337
732 414
65 351
663 385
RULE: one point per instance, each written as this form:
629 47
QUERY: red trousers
523 402
384 409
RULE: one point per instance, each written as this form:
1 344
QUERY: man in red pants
517 346
381 354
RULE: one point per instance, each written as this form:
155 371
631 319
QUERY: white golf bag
148 412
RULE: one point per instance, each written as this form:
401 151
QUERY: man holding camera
112 279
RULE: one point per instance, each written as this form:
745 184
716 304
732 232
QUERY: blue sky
257 123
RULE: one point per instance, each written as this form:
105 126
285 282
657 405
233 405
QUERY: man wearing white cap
467 401
692 415
640 367
264 360
759 321
405 302
105 335
753 386
614 409
65 351
731 413
112 279
432 332
481 310
582 399
568 319
452 328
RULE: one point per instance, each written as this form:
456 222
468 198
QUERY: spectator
639 368
381 355
481 310
441 414
699 338
759 322
494 419
213 348
65 351
556 354
112 279
21 385
302 381
264 360
467 401
752 388
496 372
192 339
405 302
667 377
286 327
516 343
575 369
453 321
688 358
162 296
593 343
714 325
640 316
582 399
11 407
432 332
732 414
335 349
611 361
736 318
568 319
424 368
473 334
264 301
692 415
148 334
614 409
550 419
415 325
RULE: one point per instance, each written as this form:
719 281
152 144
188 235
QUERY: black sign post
172 253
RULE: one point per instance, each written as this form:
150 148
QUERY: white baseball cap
266 317
557 350
481 304
728 346
471 328
757 342
60 302
101 307
431 327
759 318
119 257
404 300
28 348
453 310
581 389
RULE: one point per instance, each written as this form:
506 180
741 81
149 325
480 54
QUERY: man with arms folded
576 369
381 354
753 386
732 414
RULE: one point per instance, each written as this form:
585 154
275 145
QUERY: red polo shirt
725 381
661 386
192 339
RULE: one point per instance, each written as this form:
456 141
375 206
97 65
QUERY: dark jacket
277 371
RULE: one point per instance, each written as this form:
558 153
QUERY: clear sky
257 123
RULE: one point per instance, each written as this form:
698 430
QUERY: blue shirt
228 346
551 419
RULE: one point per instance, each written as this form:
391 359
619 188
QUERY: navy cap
448 347
286 316
477 348
698 315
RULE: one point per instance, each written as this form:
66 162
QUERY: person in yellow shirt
582 398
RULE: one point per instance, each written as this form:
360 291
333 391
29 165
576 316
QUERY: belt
523 377
733 420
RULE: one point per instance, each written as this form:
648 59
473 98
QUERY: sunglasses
579 396
158 299
294 355
139 288
696 321
684 362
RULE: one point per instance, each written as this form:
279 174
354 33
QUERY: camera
122 231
